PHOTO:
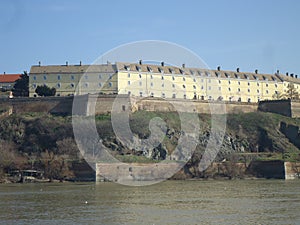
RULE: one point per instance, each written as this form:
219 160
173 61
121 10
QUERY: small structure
7 81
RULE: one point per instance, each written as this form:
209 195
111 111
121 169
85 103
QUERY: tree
291 92
21 87
44 90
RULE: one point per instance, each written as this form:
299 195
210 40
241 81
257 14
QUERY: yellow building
74 79
150 80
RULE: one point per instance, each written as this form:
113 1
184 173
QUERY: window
219 82
267 85
249 99
129 92
34 77
202 87
34 85
267 92
248 83
229 82
141 94
86 85
202 80
152 94
128 82
163 85
100 76
72 77
45 77
275 85
140 75
209 81
162 77
58 85
183 78
86 77
174 96
183 86
194 86
173 78
140 83
257 91
219 88
72 85
184 96
257 84
239 83
173 85
209 87
163 95
110 84
128 75
58 77
248 90
229 89
151 84
151 76
239 90
194 79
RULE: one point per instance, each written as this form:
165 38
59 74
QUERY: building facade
150 80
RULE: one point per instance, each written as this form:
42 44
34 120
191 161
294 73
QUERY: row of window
72 77
72 85
202 80
202 87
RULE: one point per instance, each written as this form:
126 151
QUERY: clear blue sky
250 34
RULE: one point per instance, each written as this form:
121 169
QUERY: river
170 202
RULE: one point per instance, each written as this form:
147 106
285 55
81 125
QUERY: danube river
170 202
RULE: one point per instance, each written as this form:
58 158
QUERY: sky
249 34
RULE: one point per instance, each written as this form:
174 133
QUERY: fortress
163 81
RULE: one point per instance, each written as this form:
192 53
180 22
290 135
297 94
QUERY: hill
46 142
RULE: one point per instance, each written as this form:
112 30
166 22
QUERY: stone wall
205 107
292 170
282 107
295 108
134 173
267 169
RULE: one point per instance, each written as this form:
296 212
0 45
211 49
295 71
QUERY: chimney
140 62
80 63
292 75
219 68
162 64
67 63
296 76
287 73
256 71
183 65
39 63
277 72
238 70
4 73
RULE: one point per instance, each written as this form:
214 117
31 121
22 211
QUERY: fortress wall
204 107
295 108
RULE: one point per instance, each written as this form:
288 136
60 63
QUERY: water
171 202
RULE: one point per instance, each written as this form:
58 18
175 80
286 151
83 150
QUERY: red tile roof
9 78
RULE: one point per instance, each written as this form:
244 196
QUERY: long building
151 80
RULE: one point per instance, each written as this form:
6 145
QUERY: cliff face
47 142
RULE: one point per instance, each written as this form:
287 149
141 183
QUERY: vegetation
46 142
44 90
21 87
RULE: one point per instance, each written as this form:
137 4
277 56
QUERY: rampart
102 104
